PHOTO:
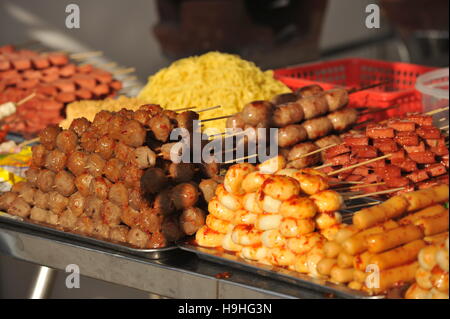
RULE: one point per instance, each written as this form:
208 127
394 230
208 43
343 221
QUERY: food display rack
180 275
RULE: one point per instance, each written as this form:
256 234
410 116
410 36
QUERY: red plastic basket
355 73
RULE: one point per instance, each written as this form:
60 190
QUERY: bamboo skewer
323 166
26 99
359 164
444 127
124 71
442 109
367 87
25 143
238 159
85 55
209 108
360 205
392 190
217 118
360 186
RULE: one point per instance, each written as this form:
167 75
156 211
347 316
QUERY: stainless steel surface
179 274
148 253
277 273
43 283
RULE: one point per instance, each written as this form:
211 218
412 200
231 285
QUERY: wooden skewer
184 109
361 205
442 109
333 183
209 108
124 71
217 118
25 143
317 151
238 159
444 127
378 193
130 78
359 164
26 99
85 55
105 65
367 87
360 186
378 109
323 166
126 88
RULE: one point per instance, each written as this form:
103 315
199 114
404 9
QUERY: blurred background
149 34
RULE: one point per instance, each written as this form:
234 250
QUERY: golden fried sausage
398 256
392 238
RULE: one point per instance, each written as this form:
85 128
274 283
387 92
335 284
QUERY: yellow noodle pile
208 80
88 108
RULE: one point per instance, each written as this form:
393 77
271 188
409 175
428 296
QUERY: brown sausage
163 203
291 135
153 180
286 114
284 98
123 152
135 199
116 125
88 140
133 134
296 153
185 195
101 122
208 188
191 220
318 127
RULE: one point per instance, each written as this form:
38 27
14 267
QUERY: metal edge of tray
155 253
277 273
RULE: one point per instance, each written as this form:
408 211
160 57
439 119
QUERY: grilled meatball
88 140
119 233
26 192
336 98
48 136
41 199
57 202
284 98
257 112
142 117
144 157
318 127
149 221
309 90
135 198
116 125
161 127
46 180
64 183
182 172
191 220
314 106
171 229
55 160
92 206
52 218
163 202
6 199
157 240
95 164
137 237
77 203
235 122
112 169
153 109
291 135
68 219
19 207
39 155
84 225
131 175
184 195
110 213
343 119
79 126
208 188
130 216
298 151
101 122
105 147
153 180
101 230
32 175
99 187
328 140
83 183
38 214
67 141
123 152
185 120
133 134
118 194
77 162
286 114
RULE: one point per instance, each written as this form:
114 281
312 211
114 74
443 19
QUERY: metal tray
277 273
157 253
